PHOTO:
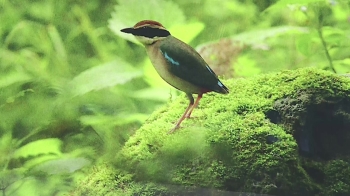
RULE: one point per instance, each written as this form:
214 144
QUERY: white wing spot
210 70
220 84
170 59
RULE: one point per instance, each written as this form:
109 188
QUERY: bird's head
147 31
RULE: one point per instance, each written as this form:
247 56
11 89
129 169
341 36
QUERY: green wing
185 63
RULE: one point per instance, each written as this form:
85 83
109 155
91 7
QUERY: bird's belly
162 68
182 85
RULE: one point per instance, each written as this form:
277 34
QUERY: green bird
177 63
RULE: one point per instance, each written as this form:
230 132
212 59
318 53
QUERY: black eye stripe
151 32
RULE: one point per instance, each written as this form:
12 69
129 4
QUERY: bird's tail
221 88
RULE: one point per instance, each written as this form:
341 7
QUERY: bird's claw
173 129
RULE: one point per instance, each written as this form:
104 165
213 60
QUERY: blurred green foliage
73 88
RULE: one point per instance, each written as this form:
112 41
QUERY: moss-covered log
284 133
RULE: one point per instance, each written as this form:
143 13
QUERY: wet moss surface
284 133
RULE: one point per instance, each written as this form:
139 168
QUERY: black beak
128 30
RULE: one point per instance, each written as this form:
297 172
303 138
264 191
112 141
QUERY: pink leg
190 97
194 105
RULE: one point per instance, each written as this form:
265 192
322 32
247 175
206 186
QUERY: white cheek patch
145 40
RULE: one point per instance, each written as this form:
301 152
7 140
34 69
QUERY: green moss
337 180
236 142
106 180
102 180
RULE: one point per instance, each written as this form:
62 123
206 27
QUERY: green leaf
127 14
121 119
20 94
246 67
303 44
13 77
103 76
57 43
284 3
155 94
187 32
8 177
7 145
258 36
334 35
39 160
342 66
60 166
39 147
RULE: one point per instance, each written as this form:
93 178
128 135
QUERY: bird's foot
174 129
192 117
188 115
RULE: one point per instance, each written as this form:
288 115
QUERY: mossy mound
285 133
